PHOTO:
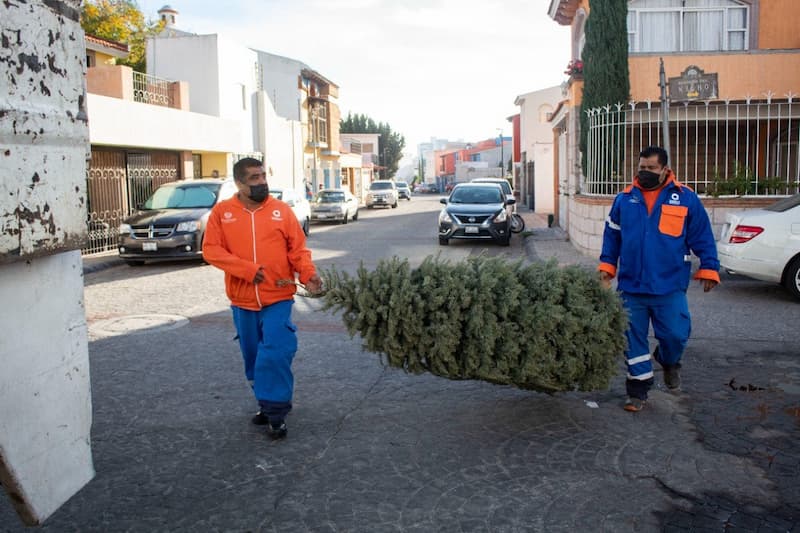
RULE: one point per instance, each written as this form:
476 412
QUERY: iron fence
719 148
151 90
118 183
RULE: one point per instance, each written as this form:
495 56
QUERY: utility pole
502 155
662 81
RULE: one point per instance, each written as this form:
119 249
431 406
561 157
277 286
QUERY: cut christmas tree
536 326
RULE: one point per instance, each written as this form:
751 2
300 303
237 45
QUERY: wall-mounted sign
693 84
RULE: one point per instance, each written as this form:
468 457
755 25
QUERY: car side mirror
511 201
443 201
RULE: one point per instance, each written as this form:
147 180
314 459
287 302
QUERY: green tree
606 80
390 143
121 21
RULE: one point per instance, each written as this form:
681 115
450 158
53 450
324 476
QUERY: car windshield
329 197
476 195
377 186
402 184
784 205
183 197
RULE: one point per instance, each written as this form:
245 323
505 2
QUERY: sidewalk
543 243
97 262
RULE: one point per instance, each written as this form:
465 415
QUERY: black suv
476 211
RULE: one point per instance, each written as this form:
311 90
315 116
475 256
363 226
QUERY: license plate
320 215
149 246
471 229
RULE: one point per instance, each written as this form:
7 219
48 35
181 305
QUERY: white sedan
764 244
298 203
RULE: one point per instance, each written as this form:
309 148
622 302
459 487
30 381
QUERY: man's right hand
605 279
259 277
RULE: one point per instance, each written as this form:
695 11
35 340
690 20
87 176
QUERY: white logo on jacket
276 215
227 216
675 199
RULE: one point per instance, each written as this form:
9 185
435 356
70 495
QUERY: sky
429 68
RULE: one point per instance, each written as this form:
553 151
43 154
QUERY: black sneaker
277 432
672 378
260 419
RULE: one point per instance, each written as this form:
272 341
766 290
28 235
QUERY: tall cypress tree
606 81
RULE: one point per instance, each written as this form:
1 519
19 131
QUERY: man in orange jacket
259 244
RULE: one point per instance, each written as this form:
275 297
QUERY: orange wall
739 75
777 24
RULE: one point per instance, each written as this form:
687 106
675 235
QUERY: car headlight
444 216
188 227
502 216
125 229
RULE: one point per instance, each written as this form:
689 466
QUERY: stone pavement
373 449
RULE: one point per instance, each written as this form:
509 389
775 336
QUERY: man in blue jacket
653 226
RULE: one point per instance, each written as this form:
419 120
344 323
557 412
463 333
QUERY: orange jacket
239 241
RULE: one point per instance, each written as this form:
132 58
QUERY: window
687 25
319 122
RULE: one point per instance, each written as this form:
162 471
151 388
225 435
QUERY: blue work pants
268 341
672 326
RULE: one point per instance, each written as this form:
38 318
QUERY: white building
536 184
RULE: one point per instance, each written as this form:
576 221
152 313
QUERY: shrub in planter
536 326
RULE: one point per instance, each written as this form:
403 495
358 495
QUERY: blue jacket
652 251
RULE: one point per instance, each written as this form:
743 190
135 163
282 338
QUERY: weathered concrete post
45 394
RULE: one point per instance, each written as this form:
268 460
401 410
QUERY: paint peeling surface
45 391
44 135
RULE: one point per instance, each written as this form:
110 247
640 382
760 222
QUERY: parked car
297 201
764 244
334 205
476 211
504 184
382 192
425 188
403 190
171 222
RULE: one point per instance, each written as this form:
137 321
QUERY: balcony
119 81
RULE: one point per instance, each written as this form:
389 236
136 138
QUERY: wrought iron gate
118 183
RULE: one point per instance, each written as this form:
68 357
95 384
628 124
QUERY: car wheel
517 223
134 262
355 217
369 207
444 241
344 220
506 241
791 278
306 226
394 205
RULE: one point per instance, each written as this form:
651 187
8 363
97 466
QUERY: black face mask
258 193
649 180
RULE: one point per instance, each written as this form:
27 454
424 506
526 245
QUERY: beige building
734 138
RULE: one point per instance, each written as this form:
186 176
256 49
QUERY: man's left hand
708 284
314 284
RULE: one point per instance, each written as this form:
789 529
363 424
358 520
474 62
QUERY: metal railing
151 90
721 148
